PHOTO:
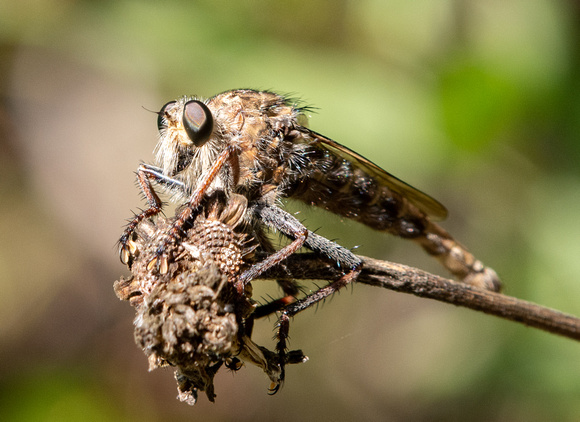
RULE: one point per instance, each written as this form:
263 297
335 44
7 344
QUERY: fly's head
254 124
186 128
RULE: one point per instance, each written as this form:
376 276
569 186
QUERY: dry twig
402 278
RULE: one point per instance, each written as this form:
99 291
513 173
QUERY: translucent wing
424 202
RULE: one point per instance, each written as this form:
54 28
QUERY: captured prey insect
192 317
255 143
214 235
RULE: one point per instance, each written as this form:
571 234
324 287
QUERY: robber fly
255 143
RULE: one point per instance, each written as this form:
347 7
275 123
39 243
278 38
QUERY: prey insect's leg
281 220
144 175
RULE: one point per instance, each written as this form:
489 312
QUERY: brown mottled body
274 155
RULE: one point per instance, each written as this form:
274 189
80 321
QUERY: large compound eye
161 116
197 121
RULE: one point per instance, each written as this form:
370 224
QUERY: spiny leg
288 285
284 222
187 212
266 310
293 229
155 204
288 225
299 306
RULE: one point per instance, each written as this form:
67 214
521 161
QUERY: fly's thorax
258 125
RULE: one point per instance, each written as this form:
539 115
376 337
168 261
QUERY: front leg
188 210
145 173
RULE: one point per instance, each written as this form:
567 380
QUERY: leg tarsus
300 305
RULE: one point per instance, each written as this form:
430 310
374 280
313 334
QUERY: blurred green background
476 103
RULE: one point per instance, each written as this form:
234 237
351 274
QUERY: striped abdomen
336 185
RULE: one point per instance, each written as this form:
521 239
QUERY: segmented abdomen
335 184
